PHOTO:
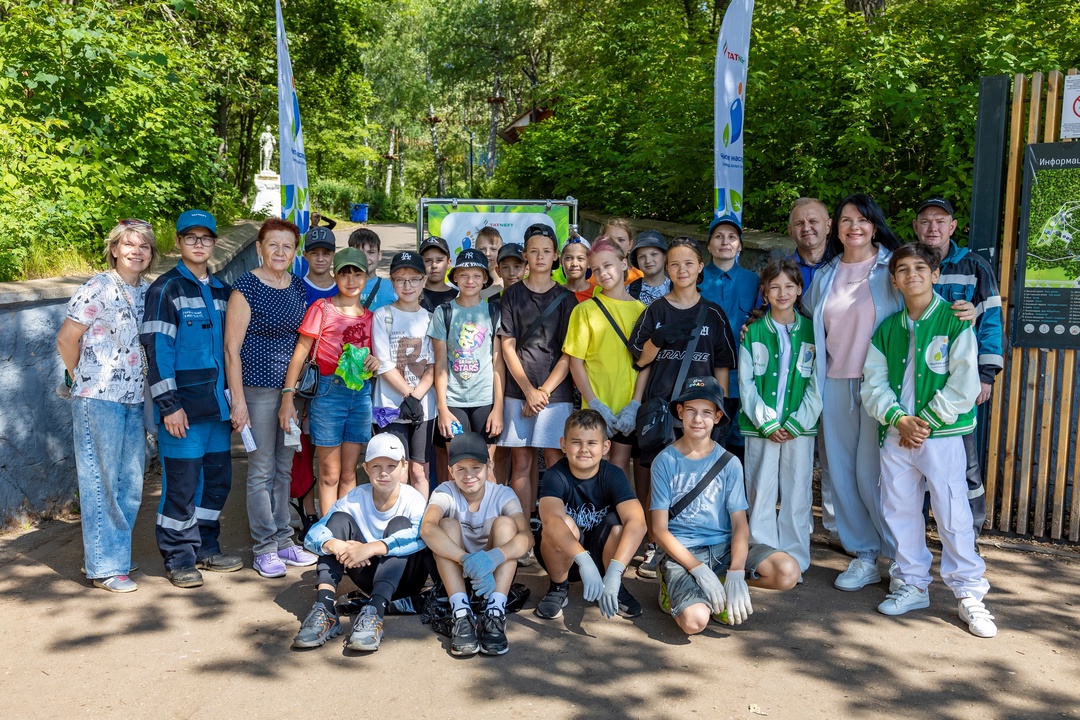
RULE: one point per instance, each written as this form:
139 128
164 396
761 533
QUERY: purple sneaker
297 556
269 565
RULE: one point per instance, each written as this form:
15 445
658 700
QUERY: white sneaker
904 598
980 621
858 575
647 568
895 583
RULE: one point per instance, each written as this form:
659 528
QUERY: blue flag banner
295 203
729 97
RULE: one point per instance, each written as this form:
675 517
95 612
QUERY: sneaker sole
361 647
297 643
292 563
187 583
644 572
271 575
895 611
497 650
869 581
626 613
465 652
103 586
219 568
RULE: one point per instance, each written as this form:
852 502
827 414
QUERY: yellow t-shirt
590 337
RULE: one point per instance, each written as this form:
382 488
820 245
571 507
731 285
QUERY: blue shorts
339 415
542 430
683 590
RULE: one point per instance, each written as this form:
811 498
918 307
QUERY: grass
44 262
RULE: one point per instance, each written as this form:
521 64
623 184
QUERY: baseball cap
700 388
472 258
434 241
647 239
195 218
385 445
349 257
726 218
408 259
540 229
578 240
319 238
938 202
510 250
467 446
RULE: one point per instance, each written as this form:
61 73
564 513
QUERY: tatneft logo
733 56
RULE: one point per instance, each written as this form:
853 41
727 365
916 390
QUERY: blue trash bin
358 212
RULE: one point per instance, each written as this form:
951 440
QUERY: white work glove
711 586
626 421
605 412
609 599
738 597
590 577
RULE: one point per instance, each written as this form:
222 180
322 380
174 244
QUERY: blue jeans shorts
339 415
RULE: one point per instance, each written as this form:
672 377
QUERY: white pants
942 463
785 470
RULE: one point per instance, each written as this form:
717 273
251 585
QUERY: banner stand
457 220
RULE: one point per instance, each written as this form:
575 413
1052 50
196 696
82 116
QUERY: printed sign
458 224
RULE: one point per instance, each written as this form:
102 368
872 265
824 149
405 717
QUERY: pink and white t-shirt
849 319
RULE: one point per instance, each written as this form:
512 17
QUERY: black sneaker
352 603
464 642
629 607
493 633
318 627
551 605
185 577
221 562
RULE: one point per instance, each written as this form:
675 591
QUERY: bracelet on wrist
285 391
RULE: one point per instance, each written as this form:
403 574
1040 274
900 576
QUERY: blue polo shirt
806 269
736 292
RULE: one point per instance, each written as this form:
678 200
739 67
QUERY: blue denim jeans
339 415
110 451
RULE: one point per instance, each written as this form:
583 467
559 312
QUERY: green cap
350 256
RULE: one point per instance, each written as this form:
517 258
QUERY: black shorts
472 419
415 438
594 539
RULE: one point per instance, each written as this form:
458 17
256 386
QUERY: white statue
266 143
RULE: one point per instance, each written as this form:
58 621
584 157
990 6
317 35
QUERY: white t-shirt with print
400 340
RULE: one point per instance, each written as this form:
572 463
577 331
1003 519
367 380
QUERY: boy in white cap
373 534
477 531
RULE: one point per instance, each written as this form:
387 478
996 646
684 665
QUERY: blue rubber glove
609 599
484 586
483 562
590 577
710 585
738 597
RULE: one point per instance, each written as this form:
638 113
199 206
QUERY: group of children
472 385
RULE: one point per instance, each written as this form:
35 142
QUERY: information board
1047 297
458 221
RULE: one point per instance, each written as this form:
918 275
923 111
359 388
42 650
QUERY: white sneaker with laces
980 621
904 598
858 575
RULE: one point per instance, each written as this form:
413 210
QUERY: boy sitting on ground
373 535
699 521
591 522
477 531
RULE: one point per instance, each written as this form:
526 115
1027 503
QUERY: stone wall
37 463
758 247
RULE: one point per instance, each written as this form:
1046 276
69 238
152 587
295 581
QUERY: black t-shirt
434 298
587 501
543 348
715 347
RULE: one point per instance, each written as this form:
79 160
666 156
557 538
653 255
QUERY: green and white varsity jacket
759 380
946 371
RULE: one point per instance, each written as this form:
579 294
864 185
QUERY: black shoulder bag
706 479
655 427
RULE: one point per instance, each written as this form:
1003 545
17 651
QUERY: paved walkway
224 649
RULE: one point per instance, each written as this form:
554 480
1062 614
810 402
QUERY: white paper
245 432
1070 108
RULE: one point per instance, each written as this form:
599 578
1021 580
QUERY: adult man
967 277
808 226
183 331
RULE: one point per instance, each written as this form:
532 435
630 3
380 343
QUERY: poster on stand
1047 289
458 222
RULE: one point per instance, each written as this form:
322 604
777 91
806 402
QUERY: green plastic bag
350 366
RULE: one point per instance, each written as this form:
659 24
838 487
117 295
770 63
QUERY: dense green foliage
119 108
833 105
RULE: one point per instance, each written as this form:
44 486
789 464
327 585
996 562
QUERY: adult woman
99 345
851 295
264 313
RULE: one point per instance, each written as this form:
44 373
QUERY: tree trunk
435 150
870 9
390 163
493 129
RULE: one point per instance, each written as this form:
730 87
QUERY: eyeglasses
134 221
407 282
193 240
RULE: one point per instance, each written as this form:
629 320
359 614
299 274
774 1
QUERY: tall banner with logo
729 96
295 204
